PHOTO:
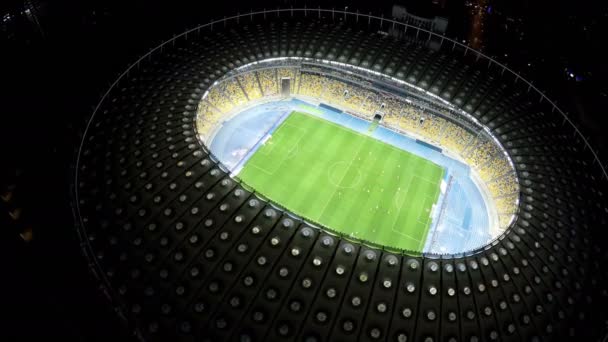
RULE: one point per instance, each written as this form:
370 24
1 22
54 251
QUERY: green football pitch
347 181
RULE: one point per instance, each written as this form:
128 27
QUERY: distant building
436 24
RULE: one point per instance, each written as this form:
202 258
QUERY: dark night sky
56 75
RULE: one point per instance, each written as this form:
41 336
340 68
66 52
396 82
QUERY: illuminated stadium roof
183 250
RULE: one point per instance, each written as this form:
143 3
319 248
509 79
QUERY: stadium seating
234 93
188 253
268 81
478 150
250 85
455 138
311 85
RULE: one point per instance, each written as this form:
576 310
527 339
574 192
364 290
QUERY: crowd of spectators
251 86
268 81
477 150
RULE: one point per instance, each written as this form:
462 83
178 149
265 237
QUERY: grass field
347 181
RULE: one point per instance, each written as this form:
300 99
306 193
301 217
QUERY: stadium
465 209
323 175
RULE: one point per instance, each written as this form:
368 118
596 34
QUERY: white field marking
270 135
296 127
268 138
348 167
338 185
404 234
395 199
293 152
414 155
408 188
425 221
285 156
431 215
261 169
343 127
399 207
395 231
305 132
421 244
397 216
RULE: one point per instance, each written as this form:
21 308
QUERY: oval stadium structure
320 175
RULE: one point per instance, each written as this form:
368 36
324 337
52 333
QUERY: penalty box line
427 199
286 155
399 207
425 222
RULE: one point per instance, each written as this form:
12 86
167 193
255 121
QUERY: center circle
337 172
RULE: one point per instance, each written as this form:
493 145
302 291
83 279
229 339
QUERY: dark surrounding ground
54 74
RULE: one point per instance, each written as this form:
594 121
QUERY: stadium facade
184 250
